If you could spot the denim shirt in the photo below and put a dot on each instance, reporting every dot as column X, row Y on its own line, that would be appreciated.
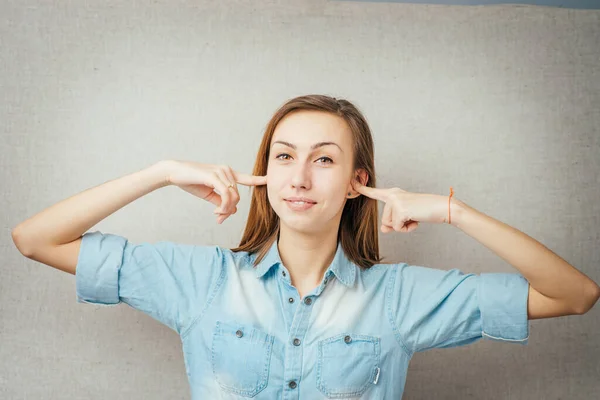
column 246, row 333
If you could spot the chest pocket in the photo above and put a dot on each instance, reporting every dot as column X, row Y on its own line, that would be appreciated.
column 241, row 355
column 347, row 365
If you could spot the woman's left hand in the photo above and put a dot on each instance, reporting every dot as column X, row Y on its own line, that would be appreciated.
column 404, row 210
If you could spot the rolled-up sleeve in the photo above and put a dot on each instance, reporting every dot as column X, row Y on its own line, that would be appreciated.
column 169, row 281
column 97, row 273
column 503, row 305
column 434, row 308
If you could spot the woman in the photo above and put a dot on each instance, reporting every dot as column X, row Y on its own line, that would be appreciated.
column 304, row 308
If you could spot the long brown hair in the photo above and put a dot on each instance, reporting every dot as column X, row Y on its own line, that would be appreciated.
column 358, row 231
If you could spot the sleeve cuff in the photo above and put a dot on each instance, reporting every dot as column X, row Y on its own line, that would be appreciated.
column 97, row 271
column 503, row 303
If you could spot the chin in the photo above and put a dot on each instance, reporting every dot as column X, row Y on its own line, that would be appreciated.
column 303, row 223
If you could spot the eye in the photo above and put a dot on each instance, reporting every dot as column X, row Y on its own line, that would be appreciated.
column 282, row 154
column 326, row 158
column 329, row 160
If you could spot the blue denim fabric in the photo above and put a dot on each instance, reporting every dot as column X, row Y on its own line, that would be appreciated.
column 246, row 333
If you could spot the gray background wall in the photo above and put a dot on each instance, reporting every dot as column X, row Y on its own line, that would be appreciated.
column 500, row 102
column 580, row 4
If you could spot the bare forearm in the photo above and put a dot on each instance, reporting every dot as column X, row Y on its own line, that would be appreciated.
column 546, row 272
column 67, row 220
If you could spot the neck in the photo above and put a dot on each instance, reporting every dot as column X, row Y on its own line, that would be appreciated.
column 306, row 256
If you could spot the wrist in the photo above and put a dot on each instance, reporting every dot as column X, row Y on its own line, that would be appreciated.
column 449, row 215
column 161, row 172
column 457, row 209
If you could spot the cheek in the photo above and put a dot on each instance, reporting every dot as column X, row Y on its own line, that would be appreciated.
column 336, row 185
column 274, row 182
column 274, row 188
column 276, row 178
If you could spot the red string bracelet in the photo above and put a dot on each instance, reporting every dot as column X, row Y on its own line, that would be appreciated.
column 450, row 197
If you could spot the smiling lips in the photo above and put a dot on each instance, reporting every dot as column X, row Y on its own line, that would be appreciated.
column 299, row 203
column 300, row 199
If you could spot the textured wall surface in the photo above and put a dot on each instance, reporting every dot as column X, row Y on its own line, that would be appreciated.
column 575, row 4
column 500, row 102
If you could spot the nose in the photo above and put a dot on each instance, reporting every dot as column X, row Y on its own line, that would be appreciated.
column 301, row 176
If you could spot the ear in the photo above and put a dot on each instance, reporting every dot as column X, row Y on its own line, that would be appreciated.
column 363, row 176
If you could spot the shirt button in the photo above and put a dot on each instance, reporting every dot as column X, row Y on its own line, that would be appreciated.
column 239, row 333
column 347, row 339
column 296, row 342
column 291, row 299
column 308, row 301
column 283, row 273
column 292, row 385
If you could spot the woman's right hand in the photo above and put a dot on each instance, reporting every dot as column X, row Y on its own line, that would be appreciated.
column 211, row 182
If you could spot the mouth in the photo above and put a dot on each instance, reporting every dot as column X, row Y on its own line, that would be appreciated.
column 299, row 204
column 300, row 200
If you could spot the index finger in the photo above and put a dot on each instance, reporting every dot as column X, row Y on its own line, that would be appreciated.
column 249, row 180
column 374, row 193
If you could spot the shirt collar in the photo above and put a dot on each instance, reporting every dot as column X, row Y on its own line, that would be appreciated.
column 343, row 269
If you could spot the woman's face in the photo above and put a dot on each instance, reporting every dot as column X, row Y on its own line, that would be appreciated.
column 304, row 166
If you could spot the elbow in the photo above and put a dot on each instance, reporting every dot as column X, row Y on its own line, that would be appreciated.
column 18, row 241
column 592, row 296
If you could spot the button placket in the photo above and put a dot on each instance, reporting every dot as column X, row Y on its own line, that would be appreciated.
column 295, row 344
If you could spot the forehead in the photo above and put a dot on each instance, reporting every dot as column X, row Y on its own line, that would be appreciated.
column 307, row 127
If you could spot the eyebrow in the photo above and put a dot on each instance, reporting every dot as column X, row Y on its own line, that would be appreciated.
column 313, row 147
